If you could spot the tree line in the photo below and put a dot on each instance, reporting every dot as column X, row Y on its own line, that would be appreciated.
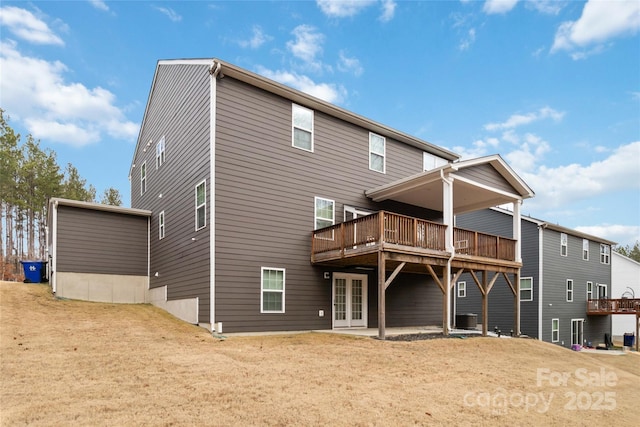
column 29, row 177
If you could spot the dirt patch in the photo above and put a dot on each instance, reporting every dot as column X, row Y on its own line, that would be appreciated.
column 79, row 363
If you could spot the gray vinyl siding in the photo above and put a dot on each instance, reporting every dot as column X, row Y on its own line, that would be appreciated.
column 501, row 298
column 265, row 191
column 93, row 241
column 178, row 109
column 557, row 269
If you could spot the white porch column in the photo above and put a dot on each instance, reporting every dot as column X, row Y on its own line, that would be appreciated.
column 447, row 219
column 517, row 229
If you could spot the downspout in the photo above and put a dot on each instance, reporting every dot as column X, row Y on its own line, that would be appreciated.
column 214, row 71
column 54, row 247
column 540, row 279
column 448, row 245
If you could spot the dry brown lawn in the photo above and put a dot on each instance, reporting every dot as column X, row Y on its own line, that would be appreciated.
column 79, row 363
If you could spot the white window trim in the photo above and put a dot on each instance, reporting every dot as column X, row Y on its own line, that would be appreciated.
column 527, row 299
column 203, row 204
column 557, row 330
column 262, row 290
column 606, row 290
column 160, row 153
column 383, row 154
column 293, row 127
column 585, row 249
column 605, row 255
column 589, row 291
column 315, row 211
column 161, row 225
column 564, row 244
column 462, row 289
column 569, row 290
column 143, row 178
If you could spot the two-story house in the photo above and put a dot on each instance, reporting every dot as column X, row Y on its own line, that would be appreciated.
column 562, row 270
column 272, row 210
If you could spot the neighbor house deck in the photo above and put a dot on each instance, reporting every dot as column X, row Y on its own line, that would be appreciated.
column 605, row 306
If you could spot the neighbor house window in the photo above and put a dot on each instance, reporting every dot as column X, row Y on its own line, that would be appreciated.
column 160, row 153
column 272, row 296
column 201, row 205
column 429, row 161
column 555, row 330
column 526, row 289
column 563, row 244
column 605, row 254
column 569, row 290
column 585, row 249
column 377, row 152
column 462, row 289
column 143, row 178
column 161, row 225
column 324, row 213
column 302, row 119
column 589, row 290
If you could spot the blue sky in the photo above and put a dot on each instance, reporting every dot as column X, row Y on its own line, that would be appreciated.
column 552, row 86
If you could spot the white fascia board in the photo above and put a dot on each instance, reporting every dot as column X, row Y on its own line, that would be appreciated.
column 99, row 207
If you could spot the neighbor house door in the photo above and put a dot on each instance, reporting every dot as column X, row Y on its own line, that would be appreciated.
column 349, row 300
column 576, row 331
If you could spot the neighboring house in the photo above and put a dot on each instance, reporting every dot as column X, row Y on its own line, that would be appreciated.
column 625, row 283
column 273, row 210
column 562, row 269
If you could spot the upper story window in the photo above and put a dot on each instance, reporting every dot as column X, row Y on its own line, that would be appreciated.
column 526, row 289
column 160, row 153
column 302, row 122
column 429, row 161
column 462, row 289
column 325, row 214
column 161, row 225
column 563, row 244
column 377, row 153
column 589, row 290
column 585, row 249
column 569, row 290
column 143, row 178
column 201, row 205
column 605, row 254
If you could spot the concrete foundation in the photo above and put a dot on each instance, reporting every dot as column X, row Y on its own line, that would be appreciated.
column 184, row 309
column 111, row 288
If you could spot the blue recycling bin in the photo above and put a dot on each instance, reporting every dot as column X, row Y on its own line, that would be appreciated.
column 34, row 271
column 629, row 339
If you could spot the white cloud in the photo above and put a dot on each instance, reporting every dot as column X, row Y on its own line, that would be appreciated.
column 600, row 21
column 349, row 65
column 325, row 91
column 27, row 26
column 498, row 6
column 343, row 8
column 171, row 14
column 257, row 39
column 35, row 92
column 548, row 7
column 307, row 45
column 622, row 234
column 517, row 120
column 467, row 41
column 99, row 4
column 388, row 10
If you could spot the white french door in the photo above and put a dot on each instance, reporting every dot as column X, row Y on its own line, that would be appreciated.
column 349, row 300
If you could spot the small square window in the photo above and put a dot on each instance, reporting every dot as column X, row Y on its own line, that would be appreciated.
column 462, row 289
column 272, row 295
column 526, row 289
column 302, row 119
column 377, row 153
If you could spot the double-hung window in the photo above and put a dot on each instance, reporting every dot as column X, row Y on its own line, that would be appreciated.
column 462, row 289
column 272, row 295
column 526, row 289
column 161, row 225
column 585, row 249
column 563, row 244
column 555, row 330
column 324, row 213
column 143, row 178
column 377, row 152
column 569, row 290
column 589, row 290
column 605, row 254
column 160, row 153
column 302, row 119
column 201, row 205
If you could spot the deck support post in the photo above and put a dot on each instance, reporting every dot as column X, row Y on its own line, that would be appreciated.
column 381, row 295
column 485, row 305
column 516, row 299
column 637, row 328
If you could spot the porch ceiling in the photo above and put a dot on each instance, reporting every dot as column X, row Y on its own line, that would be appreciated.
column 426, row 189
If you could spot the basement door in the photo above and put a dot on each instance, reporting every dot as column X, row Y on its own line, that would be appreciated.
column 349, row 300
column 577, row 327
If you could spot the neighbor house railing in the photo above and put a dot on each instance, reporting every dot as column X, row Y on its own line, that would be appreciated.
column 395, row 229
column 613, row 306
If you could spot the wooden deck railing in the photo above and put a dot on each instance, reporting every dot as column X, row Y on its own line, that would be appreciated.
column 613, row 306
column 387, row 227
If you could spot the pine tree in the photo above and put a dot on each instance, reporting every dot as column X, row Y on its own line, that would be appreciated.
column 74, row 186
column 111, row 196
column 629, row 251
